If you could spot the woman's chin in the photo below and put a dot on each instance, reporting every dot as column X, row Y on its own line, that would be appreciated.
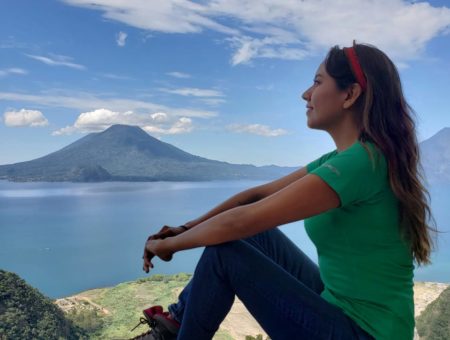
column 310, row 123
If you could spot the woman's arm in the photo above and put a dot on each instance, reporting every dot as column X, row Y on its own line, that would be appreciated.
column 301, row 199
column 249, row 196
column 244, row 198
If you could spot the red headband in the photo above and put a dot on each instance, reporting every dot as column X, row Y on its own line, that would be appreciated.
column 356, row 67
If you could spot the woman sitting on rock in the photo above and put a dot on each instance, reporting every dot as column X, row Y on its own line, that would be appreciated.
column 364, row 207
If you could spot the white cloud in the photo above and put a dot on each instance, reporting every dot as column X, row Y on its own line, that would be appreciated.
column 392, row 24
column 11, row 42
column 207, row 96
column 247, row 49
column 179, row 75
column 169, row 16
column 195, row 92
column 100, row 119
column 289, row 29
column 182, row 125
column 13, row 70
column 159, row 117
column 120, row 39
column 89, row 102
column 279, row 45
column 57, row 60
column 213, row 101
column 269, row 87
column 257, row 129
column 24, row 118
column 115, row 76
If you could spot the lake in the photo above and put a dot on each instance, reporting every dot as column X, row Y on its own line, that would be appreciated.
column 63, row 238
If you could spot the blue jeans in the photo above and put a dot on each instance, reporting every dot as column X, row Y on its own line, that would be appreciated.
column 276, row 281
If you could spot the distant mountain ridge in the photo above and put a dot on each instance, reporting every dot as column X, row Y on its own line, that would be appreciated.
column 435, row 153
column 128, row 153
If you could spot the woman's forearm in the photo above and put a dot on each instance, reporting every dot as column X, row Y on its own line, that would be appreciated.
column 230, row 225
column 299, row 200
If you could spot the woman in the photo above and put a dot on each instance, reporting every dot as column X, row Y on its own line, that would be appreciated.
column 364, row 208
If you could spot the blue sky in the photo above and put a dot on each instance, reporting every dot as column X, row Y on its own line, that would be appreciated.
column 221, row 79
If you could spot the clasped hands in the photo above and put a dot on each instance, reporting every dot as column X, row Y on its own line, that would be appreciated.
column 154, row 246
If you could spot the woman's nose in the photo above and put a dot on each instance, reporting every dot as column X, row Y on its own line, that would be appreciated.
column 306, row 94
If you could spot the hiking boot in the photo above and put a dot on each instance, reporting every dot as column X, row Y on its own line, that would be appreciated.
column 162, row 326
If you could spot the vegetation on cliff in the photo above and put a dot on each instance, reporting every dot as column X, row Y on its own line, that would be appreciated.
column 434, row 322
column 27, row 314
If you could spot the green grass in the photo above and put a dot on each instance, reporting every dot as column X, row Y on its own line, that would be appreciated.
column 126, row 301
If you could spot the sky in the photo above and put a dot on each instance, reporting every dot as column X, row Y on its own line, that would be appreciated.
column 220, row 79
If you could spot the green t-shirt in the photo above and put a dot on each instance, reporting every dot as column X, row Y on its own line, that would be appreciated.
column 366, row 268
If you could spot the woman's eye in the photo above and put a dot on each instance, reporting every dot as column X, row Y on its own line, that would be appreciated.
column 316, row 82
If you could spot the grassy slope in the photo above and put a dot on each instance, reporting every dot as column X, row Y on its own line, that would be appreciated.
column 126, row 301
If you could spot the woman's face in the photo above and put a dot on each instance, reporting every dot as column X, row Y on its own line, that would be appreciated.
column 324, row 101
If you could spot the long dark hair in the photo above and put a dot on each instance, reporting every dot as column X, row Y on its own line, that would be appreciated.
column 384, row 118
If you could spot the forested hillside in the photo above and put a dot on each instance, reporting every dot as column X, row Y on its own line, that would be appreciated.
column 27, row 314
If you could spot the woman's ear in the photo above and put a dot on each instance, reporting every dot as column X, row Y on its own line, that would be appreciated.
column 353, row 93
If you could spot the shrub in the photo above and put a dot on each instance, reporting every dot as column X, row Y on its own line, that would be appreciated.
column 434, row 322
column 87, row 319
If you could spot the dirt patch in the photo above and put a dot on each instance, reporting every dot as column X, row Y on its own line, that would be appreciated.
column 239, row 322
column 425, row 293
column 79, row 302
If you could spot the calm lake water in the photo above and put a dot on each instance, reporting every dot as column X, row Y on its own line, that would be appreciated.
column 63, row 238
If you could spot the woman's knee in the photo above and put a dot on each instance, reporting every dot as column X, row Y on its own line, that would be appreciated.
column 227, row 249
column 228, row 254
column 267, row 241
column 263, row 235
